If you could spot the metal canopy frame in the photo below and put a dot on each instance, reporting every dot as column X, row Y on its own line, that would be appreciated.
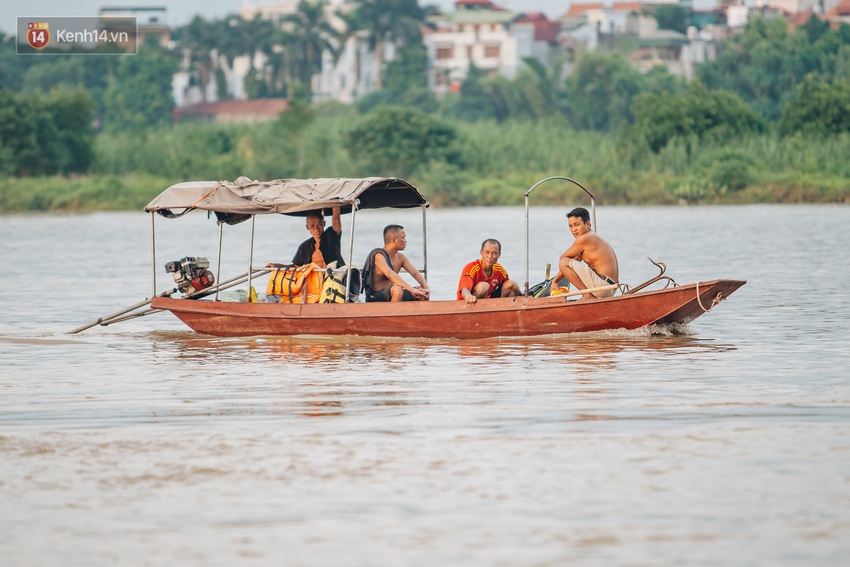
column 527, row 204
column 354, row 207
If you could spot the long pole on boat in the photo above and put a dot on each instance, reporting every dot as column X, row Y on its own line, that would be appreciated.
column 526, row 242
column 425, row 242
column 109, row 317
column 114, row 318
column 218, row 261
column 527, row 200
column 153, row 254
column 250, row 257
column 350, row 249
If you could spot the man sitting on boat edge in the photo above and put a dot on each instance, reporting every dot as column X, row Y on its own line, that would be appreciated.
column 486, row 278
column 381, row 281
column 590, row 262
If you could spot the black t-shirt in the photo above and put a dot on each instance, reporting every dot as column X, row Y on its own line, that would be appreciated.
column 329, row 244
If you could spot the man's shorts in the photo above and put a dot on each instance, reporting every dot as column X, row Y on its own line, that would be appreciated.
column 386, row 295
column 592, row 279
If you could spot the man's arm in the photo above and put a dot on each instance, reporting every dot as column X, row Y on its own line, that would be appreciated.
column 417, row 275
column 387, row 271
column 337, row 221
column 468, row 296
column 574, row 251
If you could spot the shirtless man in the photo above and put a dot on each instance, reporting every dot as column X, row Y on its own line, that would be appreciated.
column 486, row 278
column 380, row 272
column 590, row 262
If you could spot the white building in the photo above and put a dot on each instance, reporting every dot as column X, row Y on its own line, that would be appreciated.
column 351, row 75
column 483, row 34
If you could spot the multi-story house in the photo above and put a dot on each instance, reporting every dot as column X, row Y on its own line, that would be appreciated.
column 609, row 26
column 481, row 33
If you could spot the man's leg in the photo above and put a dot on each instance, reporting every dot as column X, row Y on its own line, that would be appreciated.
column 510, row 289
column 572, row 276
column 481, row 290
column 398, row 293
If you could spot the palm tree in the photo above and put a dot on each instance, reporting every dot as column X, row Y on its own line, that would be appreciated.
column 395, row 21
column 308, row 35
column 247, row 37
column 199, row 37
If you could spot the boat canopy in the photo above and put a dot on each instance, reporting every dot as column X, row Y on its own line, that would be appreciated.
column 236, row 201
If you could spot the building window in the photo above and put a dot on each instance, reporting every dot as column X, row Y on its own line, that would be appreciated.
column 491, row 51
column 445, row 52
column 469, row 52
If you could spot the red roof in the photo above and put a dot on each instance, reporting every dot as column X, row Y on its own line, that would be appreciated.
column 265, row 107
column 579, row 9
column 544, row 28
column 841, row 9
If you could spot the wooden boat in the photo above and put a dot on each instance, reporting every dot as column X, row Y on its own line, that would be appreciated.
column 513, row 316
column 525, row 315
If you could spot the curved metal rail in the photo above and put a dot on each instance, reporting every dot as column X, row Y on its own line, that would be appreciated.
column 527, row 200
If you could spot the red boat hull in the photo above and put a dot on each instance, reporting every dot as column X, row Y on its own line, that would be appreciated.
column 518, row 316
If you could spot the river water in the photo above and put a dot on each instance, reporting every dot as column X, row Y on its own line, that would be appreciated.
column 143, row 443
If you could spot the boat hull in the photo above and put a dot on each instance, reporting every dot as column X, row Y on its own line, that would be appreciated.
column 516, row 316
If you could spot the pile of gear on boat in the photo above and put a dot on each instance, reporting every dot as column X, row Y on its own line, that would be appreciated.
column 318, row 272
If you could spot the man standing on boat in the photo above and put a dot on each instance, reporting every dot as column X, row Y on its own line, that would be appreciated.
column 486, row 278
column 381, row 281
column 590, row 262
column 324, row 245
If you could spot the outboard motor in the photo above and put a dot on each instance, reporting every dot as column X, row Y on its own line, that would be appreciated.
column 191, row 273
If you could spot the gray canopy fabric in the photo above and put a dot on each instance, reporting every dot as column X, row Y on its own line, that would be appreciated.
column 235, row 201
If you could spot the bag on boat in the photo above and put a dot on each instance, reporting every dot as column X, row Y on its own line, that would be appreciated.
column 333, row 290
column 541, row 289
column 297, row 284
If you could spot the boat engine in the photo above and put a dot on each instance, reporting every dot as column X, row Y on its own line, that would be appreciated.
column 191, row 272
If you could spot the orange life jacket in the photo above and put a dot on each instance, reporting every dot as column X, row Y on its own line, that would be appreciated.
column 297, row 284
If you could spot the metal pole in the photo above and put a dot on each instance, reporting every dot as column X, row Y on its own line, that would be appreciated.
column 153, row 254
column 350, row 250
column 109, row 317
column 425, row 242
column 218, row 262
column 114, row 318
column 250, row 258
column 526, row 245
column 528, row 194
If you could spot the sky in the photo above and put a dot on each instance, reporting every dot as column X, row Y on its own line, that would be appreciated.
column 180, row 12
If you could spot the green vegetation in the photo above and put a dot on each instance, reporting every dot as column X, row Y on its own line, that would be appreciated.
column 765, row 122
column 45, row 133
column 489, row 162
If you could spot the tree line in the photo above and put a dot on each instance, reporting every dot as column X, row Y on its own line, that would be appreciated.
column 768, row 80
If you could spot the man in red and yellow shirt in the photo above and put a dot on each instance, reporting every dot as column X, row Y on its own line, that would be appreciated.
column 486, row 278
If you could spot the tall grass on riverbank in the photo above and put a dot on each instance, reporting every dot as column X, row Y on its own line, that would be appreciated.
column 80, row 193
column 498, row 163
